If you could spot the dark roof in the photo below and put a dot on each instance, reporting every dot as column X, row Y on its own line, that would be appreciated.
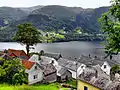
column 53, row 55
column 115, row 85
column 45, row 60
column 69, row 64
column 48, row 69
column 90, row 61
column 62, row 71
column 95, row 76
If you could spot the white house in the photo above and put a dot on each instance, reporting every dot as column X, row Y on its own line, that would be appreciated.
column 105, row 63
column 72, row 66
column 35, row 73
column 106, row 67
column 47, row 60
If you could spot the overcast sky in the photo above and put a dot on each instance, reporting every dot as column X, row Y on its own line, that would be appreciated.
column 78, row 3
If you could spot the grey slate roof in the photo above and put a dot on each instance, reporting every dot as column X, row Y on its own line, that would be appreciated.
column 62, row 71
column 69, row 64
column 115, row 85
column 96, row 77
column 45, row 60
column 53, row 55
column 90, row 61
column 48, row 69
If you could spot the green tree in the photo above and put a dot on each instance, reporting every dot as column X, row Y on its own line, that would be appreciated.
column 28, row 35
column 110, row 24
column 13, row 72
column 115, row 69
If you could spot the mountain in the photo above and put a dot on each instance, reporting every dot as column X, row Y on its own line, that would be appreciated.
column 47, row 18
column 30, row 9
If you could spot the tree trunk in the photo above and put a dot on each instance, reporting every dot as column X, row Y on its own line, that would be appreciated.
column 28, row 49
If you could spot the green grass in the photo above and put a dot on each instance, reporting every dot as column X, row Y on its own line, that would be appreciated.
column 30, row 87
column 72, row 82
column 64, row 89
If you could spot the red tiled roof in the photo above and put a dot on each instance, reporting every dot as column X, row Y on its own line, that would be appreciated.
column 17, row 53
column 28, row 64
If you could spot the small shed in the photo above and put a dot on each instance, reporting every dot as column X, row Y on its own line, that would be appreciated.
column 64, row 75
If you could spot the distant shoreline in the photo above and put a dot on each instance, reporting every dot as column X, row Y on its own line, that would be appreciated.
column 61, row 41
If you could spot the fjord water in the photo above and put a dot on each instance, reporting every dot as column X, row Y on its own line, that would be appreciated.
column 67, row 49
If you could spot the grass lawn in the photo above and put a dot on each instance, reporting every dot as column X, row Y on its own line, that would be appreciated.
column 72, row 82
column 53, row 86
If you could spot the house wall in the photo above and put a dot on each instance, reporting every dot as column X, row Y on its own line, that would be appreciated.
column 34, row 58
column 51, row 77
column 107, row 69
column 68, row 74
column 79, row 71
column 81, row 85
column 33, row 72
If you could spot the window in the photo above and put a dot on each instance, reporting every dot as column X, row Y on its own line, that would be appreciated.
column 85, row 88
column 35, row 67
column 35, row 76
column 105, row 66
column 82, row 66
column 52, row 61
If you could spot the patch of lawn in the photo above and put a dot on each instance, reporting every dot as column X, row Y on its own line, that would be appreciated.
column 31, row 87
column 72, row 82
column 64, row 89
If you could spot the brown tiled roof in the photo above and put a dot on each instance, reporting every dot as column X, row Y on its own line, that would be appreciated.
column 18, row 53
column 28, row 64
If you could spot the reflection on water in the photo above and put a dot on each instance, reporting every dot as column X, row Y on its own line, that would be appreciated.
column 67, row 49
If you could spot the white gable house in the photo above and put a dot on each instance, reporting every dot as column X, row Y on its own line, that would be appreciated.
column 106, row 67
column 35, row 73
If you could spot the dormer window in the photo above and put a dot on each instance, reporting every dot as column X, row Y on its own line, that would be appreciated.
column 52, row 61
column 105, row 66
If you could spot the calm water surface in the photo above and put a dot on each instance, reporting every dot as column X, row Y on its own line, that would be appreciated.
column 67, row 49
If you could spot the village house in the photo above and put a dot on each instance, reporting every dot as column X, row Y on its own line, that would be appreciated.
column 105, row 64
column 34, row 71
column 18, row 53
column 75, row 68
column 49, row 72
column 64, row 63
column 63, row 75
column 94, row 78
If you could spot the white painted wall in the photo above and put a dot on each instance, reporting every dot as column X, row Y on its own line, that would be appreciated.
column 33, row 72
column 107, row 69
column 79, row 71
column 34, row 58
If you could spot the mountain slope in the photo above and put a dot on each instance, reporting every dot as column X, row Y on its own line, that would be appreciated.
column 47, row 18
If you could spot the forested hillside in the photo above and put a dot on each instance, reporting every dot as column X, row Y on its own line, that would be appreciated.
column 50, row 18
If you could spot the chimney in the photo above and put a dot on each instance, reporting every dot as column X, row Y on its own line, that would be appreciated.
column 96, row 74
column 110, row 57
